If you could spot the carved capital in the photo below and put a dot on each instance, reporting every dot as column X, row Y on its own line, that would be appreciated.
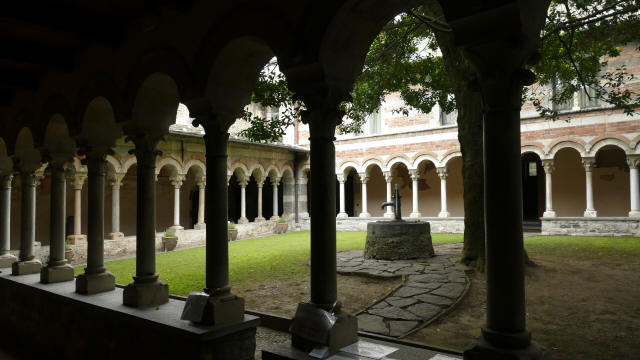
column 633, row 161
column 29, row 179
column 115, row 180
column 78, row 180
column 275, row 181
column 387, row 176
column 243, row 182
column 549, row 166
column 415, row 175
column 589, row 164
column 177, row 180
column 5, row 181
column 443, row 173
column 341, row 178
column 364, row 177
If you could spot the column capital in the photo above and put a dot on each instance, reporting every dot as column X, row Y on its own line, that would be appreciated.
column 5, row 181
column 341, row 178
column 177, row 180
column 443, row 172
column 549, row 165
column 29, row 179
column 276, row 181
column 115, row 180
column 301, row 181
column 364, row 177
column 202, row 182
column 78, row 180
column 243, row 182
column 387, row 176
column 588, row 163
column 633, row 161
column 415, row 175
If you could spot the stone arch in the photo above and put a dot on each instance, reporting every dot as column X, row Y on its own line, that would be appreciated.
column 128, row 163
column 100, row 86
column 57, row 105
column 425, row 157
column 172, row 163
column 303, row 171
column 450, row 156
column 99, row 126
column 114, row 163
column 239, row 168
column 287, row 174
column 155, row 104
column 199, row 165
column 346, row 165
column 562, row 144
column 398, row 160
column 272, row 168
column 366, row 166
column 533, row 149
column 257, row 171
column 609, row 141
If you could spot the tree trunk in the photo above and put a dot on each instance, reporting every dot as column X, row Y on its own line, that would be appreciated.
column 469, row 105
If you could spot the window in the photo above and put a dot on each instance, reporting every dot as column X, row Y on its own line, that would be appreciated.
column 533, row 168
column 449, row 118
column 374, row 123
column 588, row 98
column 273, row 113
column 567, row 105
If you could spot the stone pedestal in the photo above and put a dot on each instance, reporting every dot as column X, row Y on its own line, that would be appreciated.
column 202, row 226
column 6, row 260
column 146, row 294
column 76, row 239
column 398, row 240
column 482, row 350
column 314, row 327
column 26, row 267
column 95, row 283
column 215, row 310
column 54, row 274
column 176, row 227
column 115, row 236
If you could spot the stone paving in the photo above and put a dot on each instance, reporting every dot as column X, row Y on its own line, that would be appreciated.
column 431, row 287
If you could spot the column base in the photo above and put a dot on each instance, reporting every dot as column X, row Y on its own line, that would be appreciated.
column 364, row 215
column 56, row 274
column 26, row 267
column 146, row 294
column 274, row 217
column 243, row 220
column 76, row 239
column 444, row 214
column 6, row 260
column 483, row 350
column 176, row 227
column 88, row 284
column 342, row 215
column 549, row 214
column 115, row 236
column 590, row 213
column 258, row 219
column 389, row 215
column 304, row 215
column 202, row 226
column 415, row 215
column 310, row 328
column 215, row 310
column 634, row 214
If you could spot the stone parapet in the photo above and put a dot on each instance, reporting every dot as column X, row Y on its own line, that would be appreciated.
column 438, row 225
column 599, row 226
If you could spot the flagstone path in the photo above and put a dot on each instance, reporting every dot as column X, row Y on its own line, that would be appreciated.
column 431, row 287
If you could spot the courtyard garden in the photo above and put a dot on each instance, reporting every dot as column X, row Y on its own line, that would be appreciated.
column 582, row 294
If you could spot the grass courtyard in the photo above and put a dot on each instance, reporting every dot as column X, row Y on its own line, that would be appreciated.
column 582, row 296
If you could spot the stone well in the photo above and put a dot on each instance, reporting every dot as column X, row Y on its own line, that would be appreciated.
column 398, row 240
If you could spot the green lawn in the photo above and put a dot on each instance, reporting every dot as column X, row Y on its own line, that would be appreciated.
column 585, row 247
column 256, row 260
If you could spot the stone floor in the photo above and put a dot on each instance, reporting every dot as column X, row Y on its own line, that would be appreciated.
column 431, row 287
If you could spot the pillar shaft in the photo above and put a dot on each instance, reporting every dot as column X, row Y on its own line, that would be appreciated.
column 634, row 184
column 549, row 167
column 146, row 215
column 217, row 250
column 243, row 202
column 388, row 179
column 414, row 194
column 260, row 185
column 115, row 209
column 342, row 213
column 503, row 213
column 365, row 211
column 201, row 195
column 28, row 211
column 96, row 166
column 77, row 211
column 589, row 164
column 58, row 215
column 274, row 185
column 5, row 214
column 176, row 181
column 443, row 173
column 324, row 291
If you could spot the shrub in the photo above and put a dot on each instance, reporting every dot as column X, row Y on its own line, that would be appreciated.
column 231, row 225
column 170, row 232
column 282, row 221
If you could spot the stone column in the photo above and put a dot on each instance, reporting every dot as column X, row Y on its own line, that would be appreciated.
column 95, row 278
column 288, row 198
column 6, row 259
column 364, row 178
column 27, row 262
column 324, row 291
column 78, row 182
column 260, row 182
column 243, row 201
column 303, row 209
column 146, row 289
column 201, row 225
column 57, row 269
column 116, row 183
column 443, row 173
column 342, row 214
column 549, row 167
column 176, row 182
column 634, row 182
column 274, row 184
column 415, row 176
column 388, row 179
column 222, row 306
column 589, row 164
